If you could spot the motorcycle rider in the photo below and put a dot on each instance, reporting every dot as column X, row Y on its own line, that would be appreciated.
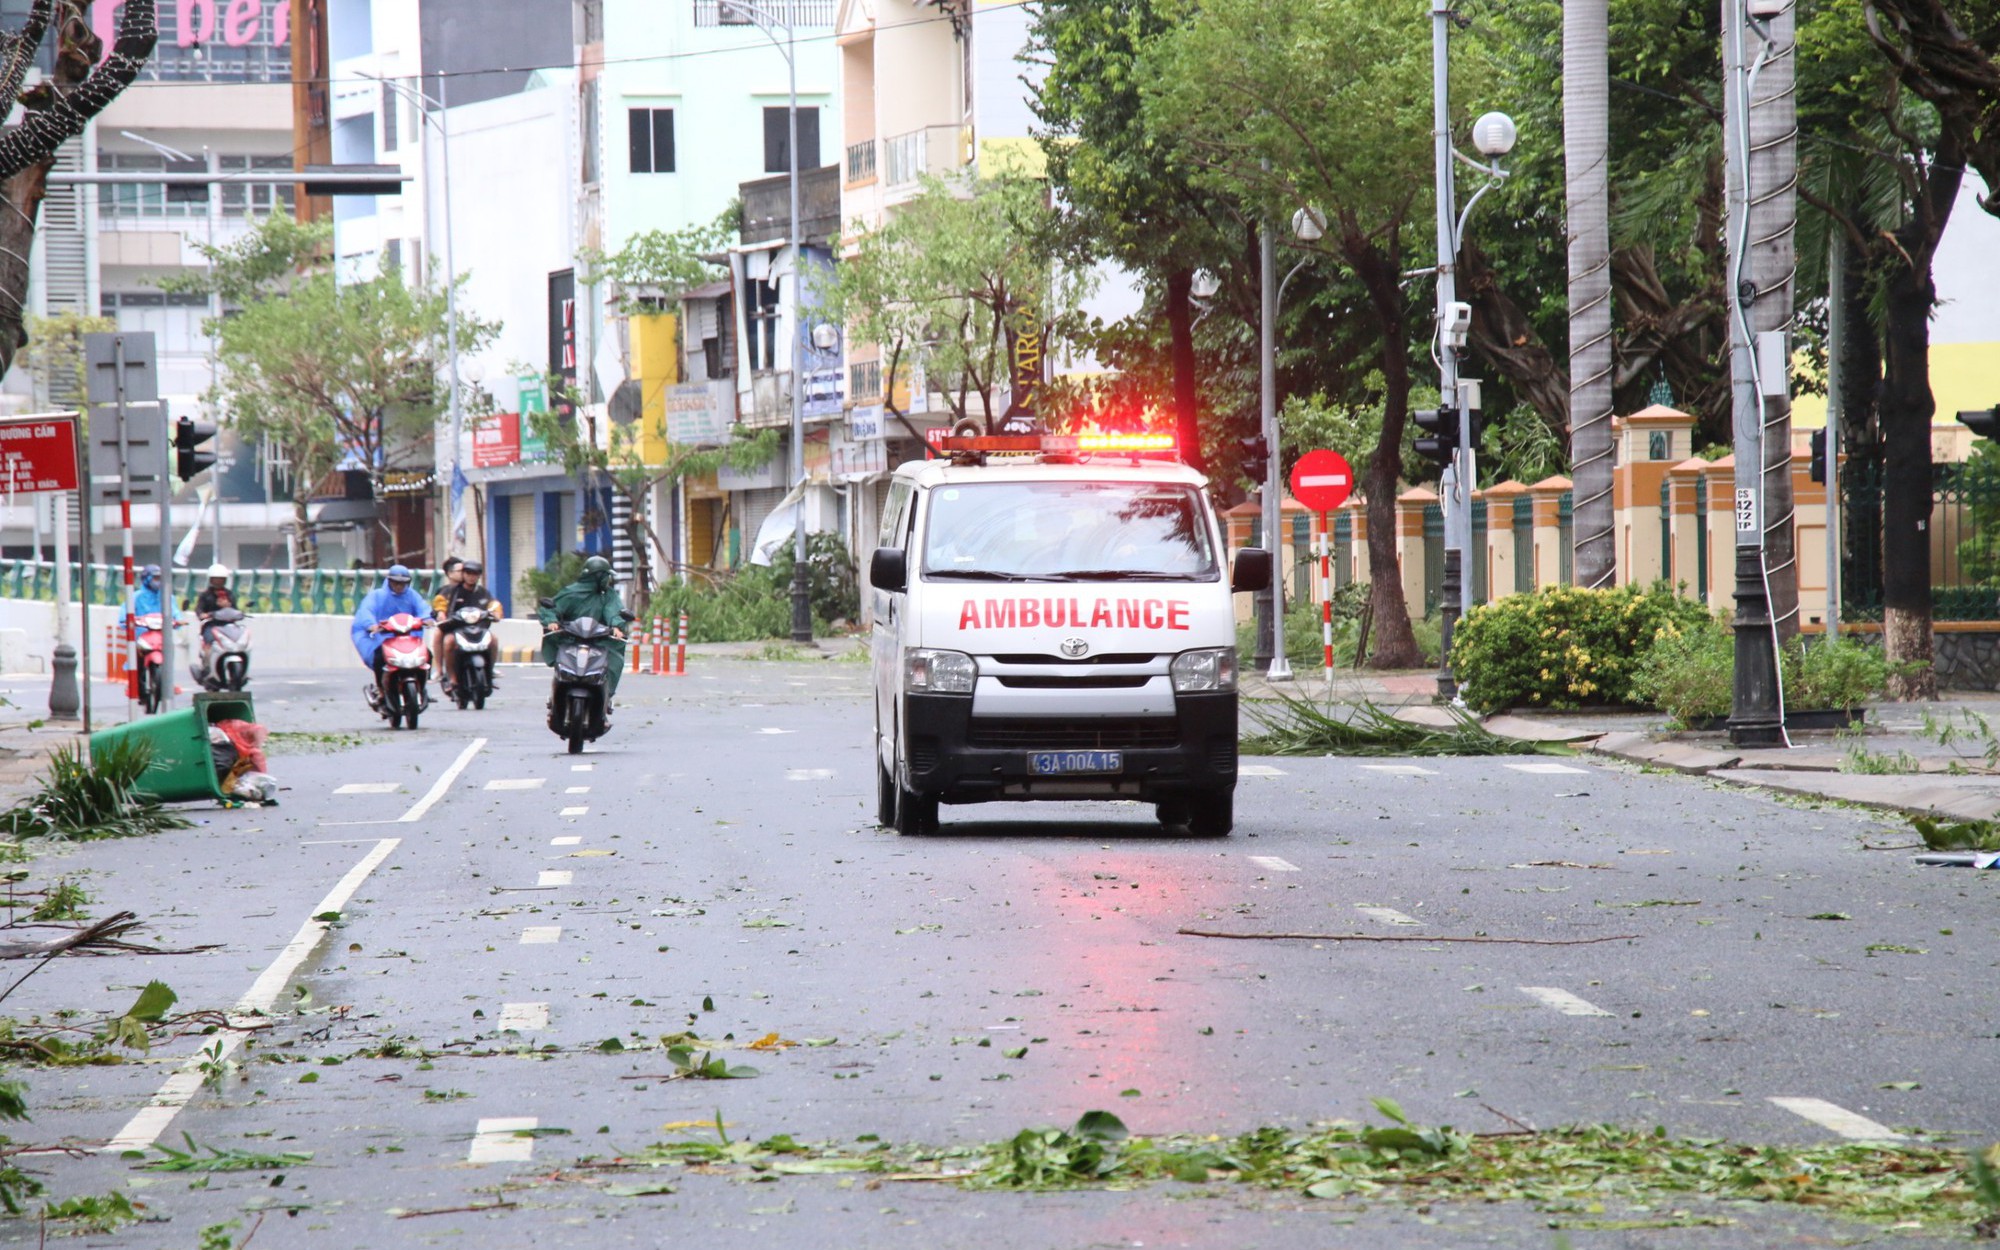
column 145, row 600
column 391, row 597
column 595, row 595
column 213, row 599
column 450, row 569
column 466, row 588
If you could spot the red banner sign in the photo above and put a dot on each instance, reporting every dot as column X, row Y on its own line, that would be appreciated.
column 38, row 455
column 496, row 441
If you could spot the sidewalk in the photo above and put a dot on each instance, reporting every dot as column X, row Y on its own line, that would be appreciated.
column 24, row 754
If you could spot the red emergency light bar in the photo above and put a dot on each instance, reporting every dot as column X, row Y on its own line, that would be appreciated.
column 1058, row 444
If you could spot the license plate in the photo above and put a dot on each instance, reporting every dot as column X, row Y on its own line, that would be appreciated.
column 1051, row 763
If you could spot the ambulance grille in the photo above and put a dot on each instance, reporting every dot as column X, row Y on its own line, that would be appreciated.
column 1080, row 681
column 1033, row 733
column 1088, row 659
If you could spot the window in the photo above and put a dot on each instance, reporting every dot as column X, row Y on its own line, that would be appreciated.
column 760, row 324
column 590, row 131
column 255, row 199
column 390, row 103
column 777, row 138
column 1055, row 531
column 864, row 381
column 652, row 140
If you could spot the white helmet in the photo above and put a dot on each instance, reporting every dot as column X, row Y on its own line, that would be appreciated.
column 218, row 570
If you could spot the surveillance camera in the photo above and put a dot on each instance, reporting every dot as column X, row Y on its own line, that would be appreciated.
column 1457, row 323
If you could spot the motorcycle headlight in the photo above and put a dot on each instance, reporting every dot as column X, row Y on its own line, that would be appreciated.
column 938, row 672
column 1211, row 669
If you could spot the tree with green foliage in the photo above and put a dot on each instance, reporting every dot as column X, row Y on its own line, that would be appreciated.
column 656, row 267
column 938, row 285
column 54, row 354
column 327, row 371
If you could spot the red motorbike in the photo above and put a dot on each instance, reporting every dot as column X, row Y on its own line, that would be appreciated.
column 150, row 631
column 403, row 693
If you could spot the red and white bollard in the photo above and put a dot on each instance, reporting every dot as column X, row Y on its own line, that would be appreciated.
column 1324, row 541
column 681, row 652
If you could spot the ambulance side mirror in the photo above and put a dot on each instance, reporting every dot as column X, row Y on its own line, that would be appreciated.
column 889, row 569
column 1252, row 570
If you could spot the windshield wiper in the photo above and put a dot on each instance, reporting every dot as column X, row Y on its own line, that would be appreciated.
column 1119, row 575
column 976, row 575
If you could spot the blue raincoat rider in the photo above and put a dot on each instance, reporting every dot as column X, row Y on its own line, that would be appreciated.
column 391, row 597
column 145, row 600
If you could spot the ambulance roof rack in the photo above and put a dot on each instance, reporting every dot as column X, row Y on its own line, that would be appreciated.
column 1059, row 448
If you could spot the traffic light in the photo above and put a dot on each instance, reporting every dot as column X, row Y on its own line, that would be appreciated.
column 1817, row 469
column 1256, row 457
column 1984, row 422
column 189, row 435
column 1440, row 434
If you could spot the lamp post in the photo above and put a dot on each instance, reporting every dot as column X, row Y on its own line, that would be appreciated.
column 442, row 123
column 1493, row 134
column 1308, row 225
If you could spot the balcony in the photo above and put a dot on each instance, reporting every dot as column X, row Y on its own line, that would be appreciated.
column 932, row 150
column 861, row 163
column 780, row 13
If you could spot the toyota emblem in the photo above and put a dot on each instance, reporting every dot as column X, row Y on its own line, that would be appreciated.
column 1074, row 648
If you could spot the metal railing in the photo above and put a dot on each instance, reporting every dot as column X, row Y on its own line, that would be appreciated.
column 1964, row 530
column 796, row 13
column 931, row 150
column 861, row 162
column 323, row 591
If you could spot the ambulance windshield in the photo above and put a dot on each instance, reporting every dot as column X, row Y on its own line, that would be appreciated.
column 1069, row 531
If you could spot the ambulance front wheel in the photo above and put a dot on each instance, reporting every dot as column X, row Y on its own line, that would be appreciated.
column 1211, row 815
column 916, row 814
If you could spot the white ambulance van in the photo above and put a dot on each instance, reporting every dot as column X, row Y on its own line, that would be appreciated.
column 1053, row 620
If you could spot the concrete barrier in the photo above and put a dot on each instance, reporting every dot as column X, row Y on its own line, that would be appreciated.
column 28, row 639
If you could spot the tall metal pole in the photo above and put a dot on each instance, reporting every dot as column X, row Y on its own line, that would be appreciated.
column 450, row 285
column 1836, row 341
column 801, row 588
column 1274, row 483
column 130, row 643
column 1456, row 484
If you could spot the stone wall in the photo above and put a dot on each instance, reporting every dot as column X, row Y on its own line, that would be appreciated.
column 1967, row 659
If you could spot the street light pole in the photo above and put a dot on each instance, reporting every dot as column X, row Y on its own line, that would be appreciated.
column 801, row 587
column 1274, row 488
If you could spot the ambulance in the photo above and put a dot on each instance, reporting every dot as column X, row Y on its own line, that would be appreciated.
column 1053, row 620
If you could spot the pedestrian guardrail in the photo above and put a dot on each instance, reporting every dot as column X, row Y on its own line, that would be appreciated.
column 323, row 591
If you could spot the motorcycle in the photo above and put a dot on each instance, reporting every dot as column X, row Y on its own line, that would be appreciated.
column 150, row 630
column 580, row 696
column 225, row 662
column 471, row 631
column 402, row 694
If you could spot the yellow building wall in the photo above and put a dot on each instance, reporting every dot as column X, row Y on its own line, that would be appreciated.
column 656, row 364
column 1964, row 376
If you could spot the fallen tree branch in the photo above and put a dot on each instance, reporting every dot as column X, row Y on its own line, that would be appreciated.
column 1383, row 937
column 501, row 1205
column 106, row 930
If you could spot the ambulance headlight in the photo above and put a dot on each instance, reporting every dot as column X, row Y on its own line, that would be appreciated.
column 938, row 672
column 1197, row 671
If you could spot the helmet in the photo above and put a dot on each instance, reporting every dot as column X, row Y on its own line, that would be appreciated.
column 149, row 577
column 399, row 573
column 218, row 572
column 597, row 564
column 471, row 568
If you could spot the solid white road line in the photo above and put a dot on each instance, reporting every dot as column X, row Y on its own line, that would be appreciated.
column 523, row 1017
column 1258, row 770
column 369, row 787
column 143, row 1129
column 1839, row 1119
column 540, row 934
column 574, row 811
column 808, row 774
column 500, row 1140
column 516, row 783
column 555, row 876
column 565, row 841
column 1547, row 770
column 1387, row 915
column 1562, row 1000
column 1401, row 770
column 1273, row 863
column 431, row 796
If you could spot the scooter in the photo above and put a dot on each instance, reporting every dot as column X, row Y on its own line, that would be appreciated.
column 225, row 663
column 579, row 700
column 471, row 632
column 406, row 671
column 151, row 633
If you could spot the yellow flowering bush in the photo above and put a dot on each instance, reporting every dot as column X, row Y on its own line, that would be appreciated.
column 1564, row 646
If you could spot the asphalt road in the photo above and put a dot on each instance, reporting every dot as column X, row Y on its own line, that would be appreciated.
column 713, row 866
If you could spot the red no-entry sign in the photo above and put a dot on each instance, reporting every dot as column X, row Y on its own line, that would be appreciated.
column 38, row 454
column 1322, row 481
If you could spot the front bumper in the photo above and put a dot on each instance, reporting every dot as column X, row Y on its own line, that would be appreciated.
column 959, row 758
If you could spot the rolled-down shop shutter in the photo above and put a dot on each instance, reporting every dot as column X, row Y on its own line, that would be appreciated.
column 757, row 504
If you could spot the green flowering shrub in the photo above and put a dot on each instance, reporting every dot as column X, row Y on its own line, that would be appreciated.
column 1690, row 673
column 1564, row 647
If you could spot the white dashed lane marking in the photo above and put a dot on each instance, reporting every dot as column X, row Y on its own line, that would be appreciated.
column 808, row 774
column 565, row 841
column 1838, row 1118
column 1272, row 863
column 516, row 783
column 540, row 934
column 1387, row 915
column 1259, row 770
column 502, row 1140
column 1401, row 770
column 369, row 787
column 777, row 731
column 581, row 768
column 524, row 1017
column 577, row 790
column 1547, row 770
column 573, row 811
column 1563, row 1001
column 555, row 876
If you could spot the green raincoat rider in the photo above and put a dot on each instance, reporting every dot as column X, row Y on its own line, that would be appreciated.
column 595, row 594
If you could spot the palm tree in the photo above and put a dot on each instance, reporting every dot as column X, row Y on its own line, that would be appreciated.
column 1586, row 106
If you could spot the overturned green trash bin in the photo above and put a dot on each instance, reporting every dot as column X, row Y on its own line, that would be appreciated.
column 182, row 768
